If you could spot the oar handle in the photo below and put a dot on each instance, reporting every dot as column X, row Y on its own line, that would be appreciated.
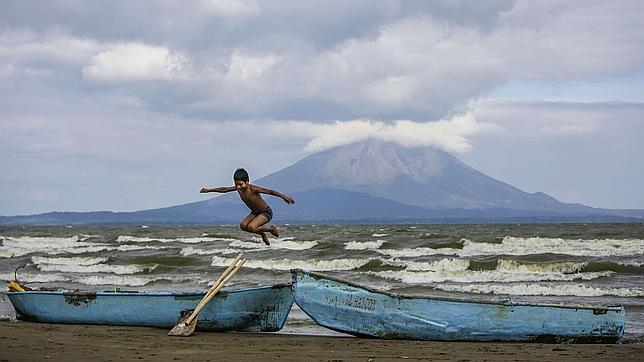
column 212, row 294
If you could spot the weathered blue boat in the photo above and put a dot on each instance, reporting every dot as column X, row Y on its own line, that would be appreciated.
column 350, row 308
column 262, row 309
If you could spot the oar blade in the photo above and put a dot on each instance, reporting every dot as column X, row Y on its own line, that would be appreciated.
column 182, row 329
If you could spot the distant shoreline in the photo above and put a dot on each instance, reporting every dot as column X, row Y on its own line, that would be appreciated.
column 30, row 221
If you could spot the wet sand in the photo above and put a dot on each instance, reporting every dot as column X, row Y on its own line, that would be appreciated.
column 23, row 341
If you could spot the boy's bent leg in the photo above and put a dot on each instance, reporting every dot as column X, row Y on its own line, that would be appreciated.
column 244, row 223
column 256, row 226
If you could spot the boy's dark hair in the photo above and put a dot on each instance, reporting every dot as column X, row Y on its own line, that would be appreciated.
column 240, row 175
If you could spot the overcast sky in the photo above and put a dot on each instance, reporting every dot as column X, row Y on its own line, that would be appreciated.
column 129, row 105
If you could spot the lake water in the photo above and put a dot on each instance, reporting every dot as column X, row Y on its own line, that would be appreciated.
column 552, row 263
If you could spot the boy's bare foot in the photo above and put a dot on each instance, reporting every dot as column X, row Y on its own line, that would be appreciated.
column 274, row 231
column 265, row 239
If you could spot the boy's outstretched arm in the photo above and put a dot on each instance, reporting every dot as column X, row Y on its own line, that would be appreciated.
column 289, row 200
column 222, row 189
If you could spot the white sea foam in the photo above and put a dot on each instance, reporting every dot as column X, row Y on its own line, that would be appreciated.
column 280, row 243
column 129, row 247
column 287, row 264
column 542, row 289
column 418, row 252
column 24, row 245
column 98, row 268
column 117, row 280
column 635, row 263
column 510, row 266
column 528, row 246
column 379, row 235
column 444, row 265
column 194, row 240
column 367, row 245
column 189, row 250
column 136, row 239
column 456, row 270
column 87, row 265
column 204, row 240
column 68, row 261
column 25, row 277
column 531, row 246
column 484, row 276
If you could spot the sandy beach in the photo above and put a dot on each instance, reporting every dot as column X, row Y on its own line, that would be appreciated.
column 24, row 341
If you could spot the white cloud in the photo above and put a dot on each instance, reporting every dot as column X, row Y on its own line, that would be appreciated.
column 136, row 61
column 449, row 134
column 248, row 69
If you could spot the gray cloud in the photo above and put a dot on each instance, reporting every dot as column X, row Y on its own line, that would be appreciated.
column 384, row 60
column 95, row 91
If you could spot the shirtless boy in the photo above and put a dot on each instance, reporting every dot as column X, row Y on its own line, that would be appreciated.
column 260, row 212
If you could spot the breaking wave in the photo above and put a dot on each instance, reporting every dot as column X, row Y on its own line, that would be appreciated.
column 280, row 243
column 530, row 246
column 288, row 264
column 98, row 268
column 456, row 270
column 448, row 264
column 68, row 261
column 25, row 245
column 194, row 240
column 117, row 280
column 189, row 250
column 541, row 289
column 366, row 245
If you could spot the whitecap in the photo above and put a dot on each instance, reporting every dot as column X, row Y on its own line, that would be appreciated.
column 530, row 246
column 136, row 239
column 537, row 245
column 26, row 277
column 98, row 268
column 445, row 265
column 366, row 245
column 482, row 276
column 510, row 266
column 418, row 252
column 280, row 243
column 189, row 250
column 117, row 280
column 542, row 289
column 128, row 247
column 68, row 261
column 193, row 240
column 288, row 264
column 24, row 245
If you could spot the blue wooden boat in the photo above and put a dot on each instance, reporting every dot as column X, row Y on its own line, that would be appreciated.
column 262, row 309
column 350, row 308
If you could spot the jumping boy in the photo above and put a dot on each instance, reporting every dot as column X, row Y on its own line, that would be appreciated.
column 260, row 212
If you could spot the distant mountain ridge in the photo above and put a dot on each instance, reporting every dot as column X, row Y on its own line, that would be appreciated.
column 369, row 181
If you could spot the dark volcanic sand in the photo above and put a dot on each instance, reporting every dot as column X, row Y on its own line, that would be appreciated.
column 23, row 341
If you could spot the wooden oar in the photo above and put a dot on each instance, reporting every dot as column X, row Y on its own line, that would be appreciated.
column 223, row 275
column 187, row 325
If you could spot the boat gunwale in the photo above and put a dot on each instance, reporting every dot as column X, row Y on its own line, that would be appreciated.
column 150, row 293
column 318, row 275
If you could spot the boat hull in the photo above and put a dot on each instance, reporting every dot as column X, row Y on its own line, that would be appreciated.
column 262, row 309
column 361, row 311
